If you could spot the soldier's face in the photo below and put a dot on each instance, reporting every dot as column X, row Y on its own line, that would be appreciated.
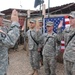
column 40, row 24
column 1, row 20
column 32, row 25
column 72, row 21
column 49, row 28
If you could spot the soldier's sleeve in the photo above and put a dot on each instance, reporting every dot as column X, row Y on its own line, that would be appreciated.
column 24, row 34
column 59, row 38
column 12, row 35
column 38, row 34
column 58, row 44
column 41, row 41
column 60, row 34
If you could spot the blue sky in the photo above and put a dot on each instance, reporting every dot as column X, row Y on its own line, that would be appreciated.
column 29, row 4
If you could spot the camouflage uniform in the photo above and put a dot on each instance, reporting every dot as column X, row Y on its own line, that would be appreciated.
column 49, row 52
column 6, row 41
column 41, row 33
column 69, row 53
column 33, row 48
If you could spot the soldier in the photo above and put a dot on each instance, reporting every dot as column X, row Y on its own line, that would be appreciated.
column 41, row 25
column 21, row 39
column 69, row 38
column 50, row 41
column 21, row 21
column 41, row 31
column 33, row 35
column 7, row 40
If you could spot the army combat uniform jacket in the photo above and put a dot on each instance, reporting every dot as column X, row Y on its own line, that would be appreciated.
column 50, row 43
column 7, row 40
column 69, row 53
column 32, row 45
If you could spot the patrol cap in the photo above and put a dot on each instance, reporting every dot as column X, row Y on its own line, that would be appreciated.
column 49, row 23
column 72, row 14
column 32, row 21
column 1, row 14
column 40, row 20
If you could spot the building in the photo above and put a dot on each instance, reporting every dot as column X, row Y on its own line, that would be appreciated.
column 54, row 11
column 22, row 15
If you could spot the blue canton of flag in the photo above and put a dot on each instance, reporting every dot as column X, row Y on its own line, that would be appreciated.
column 56, row 21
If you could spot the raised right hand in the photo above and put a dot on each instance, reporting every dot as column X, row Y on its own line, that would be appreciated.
column 37, row 28
column 60, row 24
column 14, row 16
column 2, row 32
column 39, row 49
column 23, row 27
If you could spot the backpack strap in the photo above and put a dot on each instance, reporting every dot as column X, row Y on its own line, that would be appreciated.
column 33, row 38
column 71, row 38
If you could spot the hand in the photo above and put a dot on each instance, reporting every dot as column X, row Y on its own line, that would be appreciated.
column 37, row 28
column 23, row 27
column 39, row 49
column 2, row 32
column 14, row 16
column 60, row 24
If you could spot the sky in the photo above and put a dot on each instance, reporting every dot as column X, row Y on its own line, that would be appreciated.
column 29, row 4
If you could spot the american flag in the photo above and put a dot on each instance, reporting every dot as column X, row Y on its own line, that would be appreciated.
column 56, row 21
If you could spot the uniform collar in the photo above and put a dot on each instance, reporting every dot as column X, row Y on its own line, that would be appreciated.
column 51, row 34
column 32, row 29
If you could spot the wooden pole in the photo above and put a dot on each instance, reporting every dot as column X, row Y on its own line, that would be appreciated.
column 48, row 8
column 43, row 10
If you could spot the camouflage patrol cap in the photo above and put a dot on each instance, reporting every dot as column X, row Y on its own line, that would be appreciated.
column 32, row 21
column 1, row 14
column 40, row 20
column 72, row 14
column 49, row 23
